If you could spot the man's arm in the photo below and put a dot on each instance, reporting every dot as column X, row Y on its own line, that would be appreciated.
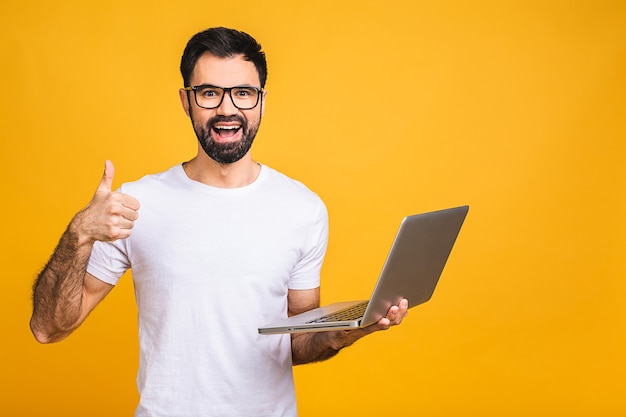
column 64, row 293
column 319, row 346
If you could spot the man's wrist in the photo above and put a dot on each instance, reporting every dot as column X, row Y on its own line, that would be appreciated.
column 344, row 338
column 77, row 233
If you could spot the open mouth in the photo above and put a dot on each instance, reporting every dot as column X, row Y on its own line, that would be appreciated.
column 225, row 131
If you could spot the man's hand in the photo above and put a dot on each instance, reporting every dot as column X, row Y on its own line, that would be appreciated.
column 313, row 347
column 394, row 316
column 109, row 216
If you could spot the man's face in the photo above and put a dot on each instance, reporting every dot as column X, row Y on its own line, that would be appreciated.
column 225, row 133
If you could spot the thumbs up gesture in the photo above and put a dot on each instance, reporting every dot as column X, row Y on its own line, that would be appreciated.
column 110, row 215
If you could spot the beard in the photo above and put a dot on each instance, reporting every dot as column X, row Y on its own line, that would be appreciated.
column 229, row 152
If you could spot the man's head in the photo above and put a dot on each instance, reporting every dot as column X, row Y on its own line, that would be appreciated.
column 224, row 72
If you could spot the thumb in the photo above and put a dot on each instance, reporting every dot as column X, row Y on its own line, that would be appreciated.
column 107, row 177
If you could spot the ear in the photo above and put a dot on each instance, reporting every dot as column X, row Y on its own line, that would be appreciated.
column 184, row 100
column 263, row 102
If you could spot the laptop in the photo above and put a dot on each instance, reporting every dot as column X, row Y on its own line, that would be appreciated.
column 412, row 269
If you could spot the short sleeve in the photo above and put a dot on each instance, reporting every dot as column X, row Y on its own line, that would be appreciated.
column 306, row 274
column 109, row 261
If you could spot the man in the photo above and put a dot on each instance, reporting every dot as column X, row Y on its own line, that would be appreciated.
column 220, row 245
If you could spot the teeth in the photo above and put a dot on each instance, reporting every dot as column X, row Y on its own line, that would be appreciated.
column 226, row 127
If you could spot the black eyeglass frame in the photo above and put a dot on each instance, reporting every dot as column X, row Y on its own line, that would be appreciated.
column 226, row 90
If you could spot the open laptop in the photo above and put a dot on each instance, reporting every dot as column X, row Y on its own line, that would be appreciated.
column 412, row 269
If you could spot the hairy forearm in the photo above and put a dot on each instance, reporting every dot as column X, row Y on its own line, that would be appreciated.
column 58, row 290
column 316, row 347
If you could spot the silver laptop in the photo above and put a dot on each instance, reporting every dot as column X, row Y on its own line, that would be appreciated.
column 412, row 269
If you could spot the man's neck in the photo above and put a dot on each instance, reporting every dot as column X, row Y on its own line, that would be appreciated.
column 238, row 174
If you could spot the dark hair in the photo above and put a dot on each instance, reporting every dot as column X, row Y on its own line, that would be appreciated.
column 223, row 43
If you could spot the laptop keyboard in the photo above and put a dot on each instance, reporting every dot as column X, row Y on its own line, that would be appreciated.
column 351, row 313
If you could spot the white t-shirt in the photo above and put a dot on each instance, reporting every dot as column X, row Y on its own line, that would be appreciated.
column 210, row 265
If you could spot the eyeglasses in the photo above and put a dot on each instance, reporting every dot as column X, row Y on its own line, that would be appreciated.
column 211, row 96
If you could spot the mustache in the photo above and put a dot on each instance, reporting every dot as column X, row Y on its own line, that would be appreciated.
column 227, row 119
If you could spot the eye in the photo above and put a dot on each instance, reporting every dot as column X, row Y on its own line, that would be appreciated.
column 208, row 92
column 245, row 92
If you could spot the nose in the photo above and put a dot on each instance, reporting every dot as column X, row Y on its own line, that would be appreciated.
column 227, row 107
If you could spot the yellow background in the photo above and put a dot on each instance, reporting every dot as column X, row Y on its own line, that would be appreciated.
column 384, row 109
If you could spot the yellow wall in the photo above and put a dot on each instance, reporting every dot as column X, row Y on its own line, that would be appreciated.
column 384, row 109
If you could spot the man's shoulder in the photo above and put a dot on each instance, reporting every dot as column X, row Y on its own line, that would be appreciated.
column 279, row 178
column 168, row 176
column 288, row 185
